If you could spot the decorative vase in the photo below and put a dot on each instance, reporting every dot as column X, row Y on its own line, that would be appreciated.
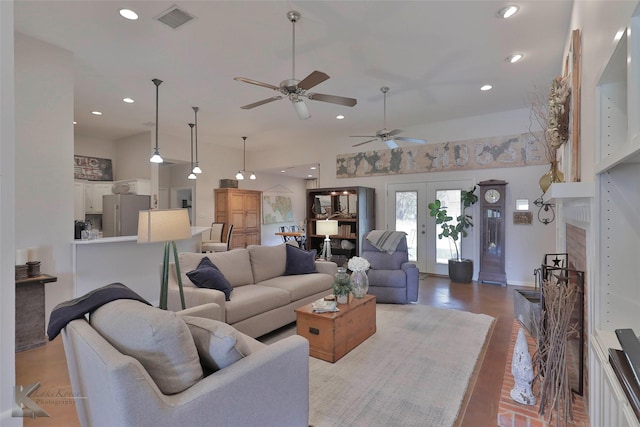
column 553, row 175
column 359, row 283
column 340, row 283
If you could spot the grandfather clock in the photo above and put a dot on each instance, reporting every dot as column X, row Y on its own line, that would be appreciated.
column 492, row 208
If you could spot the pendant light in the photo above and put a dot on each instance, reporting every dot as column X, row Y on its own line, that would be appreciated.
column 156, row 153
column 192, row 175
column 241, row 173
column 196, row 168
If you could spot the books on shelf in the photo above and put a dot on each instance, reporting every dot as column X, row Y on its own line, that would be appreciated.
column 322, row 306
column 345, row 230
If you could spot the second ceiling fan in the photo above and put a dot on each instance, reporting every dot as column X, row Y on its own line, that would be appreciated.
column 294, row 89
column 385, row 135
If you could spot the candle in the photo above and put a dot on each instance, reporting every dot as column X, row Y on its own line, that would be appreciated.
column 32, row 254
column 21, row 256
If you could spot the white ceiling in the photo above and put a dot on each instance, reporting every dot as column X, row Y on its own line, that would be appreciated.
column 434, row 56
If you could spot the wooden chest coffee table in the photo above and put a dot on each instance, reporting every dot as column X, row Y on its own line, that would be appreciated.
column 332, row 335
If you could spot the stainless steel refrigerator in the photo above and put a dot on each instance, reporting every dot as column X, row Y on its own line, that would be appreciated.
column 120, row 213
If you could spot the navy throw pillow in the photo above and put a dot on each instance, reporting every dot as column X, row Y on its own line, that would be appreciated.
column 300, row 261
column 207, row 275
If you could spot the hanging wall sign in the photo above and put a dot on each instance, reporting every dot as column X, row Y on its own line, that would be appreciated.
column 483, row 153
column 92, row 168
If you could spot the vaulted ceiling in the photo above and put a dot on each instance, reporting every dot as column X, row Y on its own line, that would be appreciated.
column 434, row 56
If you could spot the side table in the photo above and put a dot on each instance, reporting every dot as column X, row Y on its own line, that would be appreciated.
column 30, row 317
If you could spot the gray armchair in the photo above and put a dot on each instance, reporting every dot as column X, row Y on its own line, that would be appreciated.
column 268, row 387
column 392, row 278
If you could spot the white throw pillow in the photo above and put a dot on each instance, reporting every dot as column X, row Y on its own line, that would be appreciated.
column 160, row 340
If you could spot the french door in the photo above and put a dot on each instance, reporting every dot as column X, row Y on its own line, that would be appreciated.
column 407, row 211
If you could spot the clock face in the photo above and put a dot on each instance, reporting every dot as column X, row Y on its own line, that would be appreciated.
column 492, row 195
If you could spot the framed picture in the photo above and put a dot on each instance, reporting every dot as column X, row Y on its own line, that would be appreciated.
column 522, row 218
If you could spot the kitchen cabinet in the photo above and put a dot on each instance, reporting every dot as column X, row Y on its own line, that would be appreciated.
column 93, row 192
column 243, row 209
column 352, row 207
column 78, row 201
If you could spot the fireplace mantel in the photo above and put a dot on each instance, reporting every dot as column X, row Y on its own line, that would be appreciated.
column 561, row 192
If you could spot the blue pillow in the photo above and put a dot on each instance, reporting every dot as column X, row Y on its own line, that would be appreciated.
column 207, row 275
column 300, row 261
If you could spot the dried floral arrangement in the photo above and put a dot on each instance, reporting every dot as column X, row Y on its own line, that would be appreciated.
column 552, row 115
column 550, row 359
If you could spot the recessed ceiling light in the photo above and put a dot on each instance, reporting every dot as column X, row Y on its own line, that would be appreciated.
column 516, row 57
column 283, row 171
column 128, row 100
column 128, row 14
column 339, row 117
column 486, row 87
column 508, row 11
column 313, row 168
column 75, row 123
column 309, row 176
column 619, row 35
column 96, row 113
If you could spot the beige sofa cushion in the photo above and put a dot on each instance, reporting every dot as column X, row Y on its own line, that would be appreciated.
column 235, row 265
column 251, row 300
column 302, row 285
column 160, row 340
column 215, row 341
column 267, row 262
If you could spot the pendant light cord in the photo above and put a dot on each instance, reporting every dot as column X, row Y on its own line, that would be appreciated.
column 195, row 109
column 157, row 82
column 244, row 154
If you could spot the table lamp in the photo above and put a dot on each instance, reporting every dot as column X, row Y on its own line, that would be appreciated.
column 165, row 225
column 327, row 227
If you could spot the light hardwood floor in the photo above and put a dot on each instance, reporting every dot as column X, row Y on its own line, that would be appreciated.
column 47, row 364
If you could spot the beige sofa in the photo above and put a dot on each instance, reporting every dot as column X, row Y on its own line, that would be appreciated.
column 263, row 298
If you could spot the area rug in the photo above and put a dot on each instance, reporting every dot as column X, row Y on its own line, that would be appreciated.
column 414, row 371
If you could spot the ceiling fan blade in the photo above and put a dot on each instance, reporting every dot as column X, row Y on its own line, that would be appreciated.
column 394, row 132
column 313, row 79
column 414, row 140
column 363, row 136
column 362, row 143
column 340, row 100
column 259, row 103
column 255, row 82
column 391, row 143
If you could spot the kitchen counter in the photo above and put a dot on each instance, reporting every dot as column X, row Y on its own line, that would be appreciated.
column 100, row 262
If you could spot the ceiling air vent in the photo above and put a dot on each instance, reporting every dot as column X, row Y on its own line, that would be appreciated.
column 174, row 17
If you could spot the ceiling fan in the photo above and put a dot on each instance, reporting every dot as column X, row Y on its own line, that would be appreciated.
column 294, row 89
column 387, row 136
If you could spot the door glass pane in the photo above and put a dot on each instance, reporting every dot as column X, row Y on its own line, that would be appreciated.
column 445, row 249
column 407, row 219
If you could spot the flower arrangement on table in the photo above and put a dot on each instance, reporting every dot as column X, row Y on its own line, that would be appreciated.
column 359, row 279
column 358, row 264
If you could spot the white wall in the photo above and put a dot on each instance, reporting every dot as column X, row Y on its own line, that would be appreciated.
column 44, row 153
column 132, row 157
column 7, row 216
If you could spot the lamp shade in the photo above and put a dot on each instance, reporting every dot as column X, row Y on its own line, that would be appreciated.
column 327, row 227
column 163, row 225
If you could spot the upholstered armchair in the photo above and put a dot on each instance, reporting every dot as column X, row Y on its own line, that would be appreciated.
column 392, row 278
column 135, row 365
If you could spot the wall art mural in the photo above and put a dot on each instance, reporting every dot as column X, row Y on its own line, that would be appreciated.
column 482, row 153
column 92, row 168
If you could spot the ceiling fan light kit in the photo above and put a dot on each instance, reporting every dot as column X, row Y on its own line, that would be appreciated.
column 294, row 89
column 387, row 136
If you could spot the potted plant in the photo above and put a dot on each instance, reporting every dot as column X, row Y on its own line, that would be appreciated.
column 342, row 286
column 460, row 270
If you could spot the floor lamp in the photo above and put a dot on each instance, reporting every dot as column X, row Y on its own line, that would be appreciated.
column 165, row 225
column 327, row 227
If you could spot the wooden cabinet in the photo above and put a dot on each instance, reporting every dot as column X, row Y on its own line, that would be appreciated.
column 352, row 207
column 242, row 208
column 93, row 192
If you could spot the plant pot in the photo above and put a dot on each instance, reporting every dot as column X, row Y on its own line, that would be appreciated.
column 342, row 299
column 461, row 271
